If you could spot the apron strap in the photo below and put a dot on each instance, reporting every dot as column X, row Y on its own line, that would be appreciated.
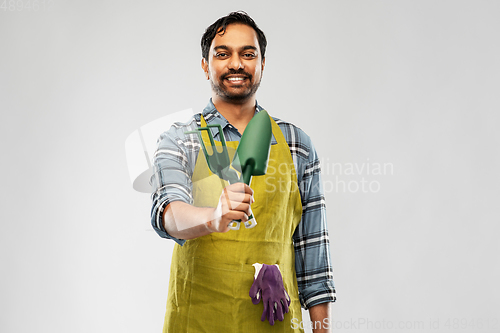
column 202, row 120
column 204, row 134
column 278, row 135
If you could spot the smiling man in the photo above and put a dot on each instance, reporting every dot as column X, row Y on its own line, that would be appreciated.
column 233, row 281
column 234, row 70
column 238, row 81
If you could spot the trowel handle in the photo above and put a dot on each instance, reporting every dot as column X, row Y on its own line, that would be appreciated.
column 234, row 225
column 250, row 223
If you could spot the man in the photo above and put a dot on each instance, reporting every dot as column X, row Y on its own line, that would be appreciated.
column 212, row 266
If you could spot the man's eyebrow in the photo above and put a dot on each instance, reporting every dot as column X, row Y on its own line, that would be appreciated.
column 225, row 47
column 221, row 47
column 249, row 47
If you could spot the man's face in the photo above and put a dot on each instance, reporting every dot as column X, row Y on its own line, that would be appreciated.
column 235, row 64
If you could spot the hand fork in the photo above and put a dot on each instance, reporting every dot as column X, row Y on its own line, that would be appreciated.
column 219, row 164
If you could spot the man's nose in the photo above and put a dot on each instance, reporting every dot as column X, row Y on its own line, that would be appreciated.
column 235, row 62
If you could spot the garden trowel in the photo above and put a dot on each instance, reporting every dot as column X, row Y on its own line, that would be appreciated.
column 252, row 154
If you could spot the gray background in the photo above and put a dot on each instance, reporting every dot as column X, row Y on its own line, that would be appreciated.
column 410, row 83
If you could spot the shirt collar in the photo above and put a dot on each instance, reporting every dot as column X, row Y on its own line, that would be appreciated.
column 211, row 114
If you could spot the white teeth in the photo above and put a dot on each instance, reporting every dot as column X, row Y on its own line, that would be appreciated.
column 235, row 78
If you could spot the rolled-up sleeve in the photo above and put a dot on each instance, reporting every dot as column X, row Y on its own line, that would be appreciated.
column 312, row 248
column 171, row 180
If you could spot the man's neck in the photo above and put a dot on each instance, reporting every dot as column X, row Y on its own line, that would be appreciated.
column 238, row 115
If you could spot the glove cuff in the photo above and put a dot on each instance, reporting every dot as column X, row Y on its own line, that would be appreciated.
column 258, row 267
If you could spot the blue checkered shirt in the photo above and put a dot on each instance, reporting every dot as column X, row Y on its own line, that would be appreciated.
column 174, row 163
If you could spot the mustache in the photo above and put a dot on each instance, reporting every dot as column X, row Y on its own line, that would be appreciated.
column 235, row 72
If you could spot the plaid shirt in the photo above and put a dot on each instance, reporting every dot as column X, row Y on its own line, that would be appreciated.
column 174, row 163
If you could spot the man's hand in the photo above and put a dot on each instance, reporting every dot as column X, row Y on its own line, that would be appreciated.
column 234, row 204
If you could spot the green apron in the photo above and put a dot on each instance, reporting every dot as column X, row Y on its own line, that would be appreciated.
column 211, row 276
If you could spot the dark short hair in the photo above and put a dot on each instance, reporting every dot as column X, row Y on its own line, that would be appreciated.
column 220, row 26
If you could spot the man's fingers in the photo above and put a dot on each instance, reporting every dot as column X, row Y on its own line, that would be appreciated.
column 237, row 200
column 236, row 215
column 239, row 206
column 234, row 204
column 240, row 188
column 239, row 197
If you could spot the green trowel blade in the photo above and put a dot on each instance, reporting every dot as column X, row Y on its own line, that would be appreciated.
column 253, row 150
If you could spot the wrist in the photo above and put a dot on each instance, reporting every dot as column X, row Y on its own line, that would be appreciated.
column 208, row 225
column 213, row 219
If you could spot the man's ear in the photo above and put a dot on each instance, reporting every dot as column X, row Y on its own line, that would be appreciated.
column 204, row 66
column 263, row 63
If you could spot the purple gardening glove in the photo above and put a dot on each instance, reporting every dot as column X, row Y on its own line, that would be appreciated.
column 268, row 286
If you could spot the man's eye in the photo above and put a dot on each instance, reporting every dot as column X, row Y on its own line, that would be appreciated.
column 218, row 55
column 249, row 55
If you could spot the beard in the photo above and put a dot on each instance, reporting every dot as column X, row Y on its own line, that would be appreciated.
column 240, row 96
